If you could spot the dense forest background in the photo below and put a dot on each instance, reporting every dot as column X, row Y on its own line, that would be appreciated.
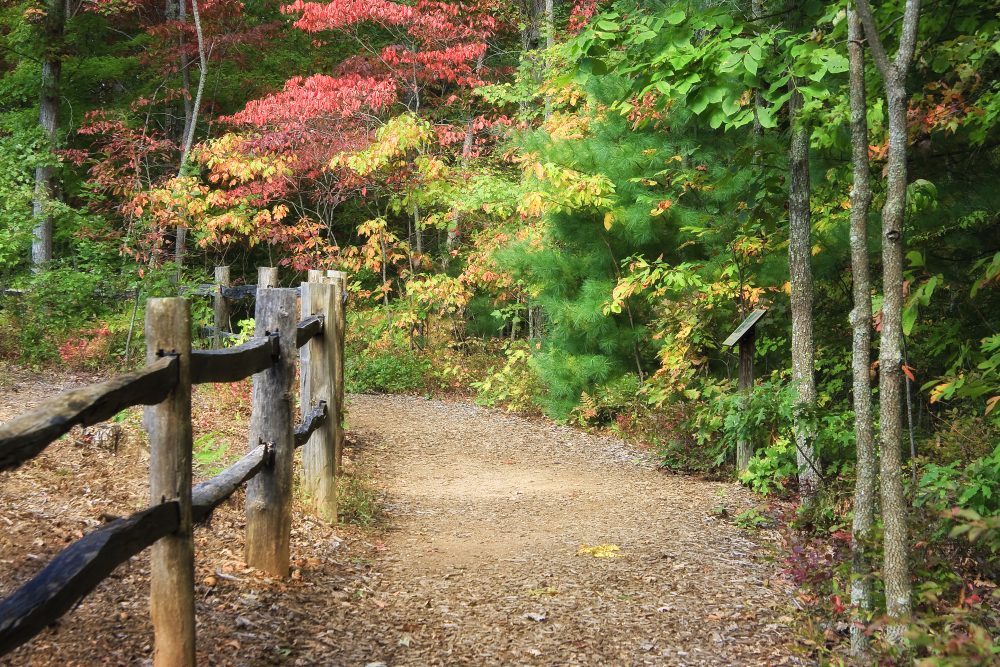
column 567, row 208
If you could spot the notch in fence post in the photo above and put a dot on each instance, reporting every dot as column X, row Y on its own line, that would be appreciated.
column 221, row 305
column 171, row 598
column 269, row 494
column 319, row 456
column 267, row 276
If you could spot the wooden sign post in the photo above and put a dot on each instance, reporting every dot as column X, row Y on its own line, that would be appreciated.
column 745, row 335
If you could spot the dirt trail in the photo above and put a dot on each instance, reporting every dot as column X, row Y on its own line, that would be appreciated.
column 482, row 563
column 478, row 564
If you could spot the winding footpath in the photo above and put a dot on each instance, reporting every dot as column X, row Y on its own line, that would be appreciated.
column 489, row 557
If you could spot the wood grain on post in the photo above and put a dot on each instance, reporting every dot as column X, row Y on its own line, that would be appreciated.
column 744, row 447
column 269, row 494
column 319, row 456
column 337, row 328
column 314, row 276
column 220, row 305
column 267, row 276
column 171, row 600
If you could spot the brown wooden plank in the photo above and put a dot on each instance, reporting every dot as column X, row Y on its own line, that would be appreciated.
column 308, row 329
column 77, row 570
column 208, row 495
column 311, row 421
column 234, row 363
column 26, row 436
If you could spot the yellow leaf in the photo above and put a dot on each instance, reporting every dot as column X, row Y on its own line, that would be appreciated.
column 600, row 551
column 609, row 217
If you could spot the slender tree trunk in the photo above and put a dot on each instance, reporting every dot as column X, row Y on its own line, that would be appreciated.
column 744, row 447
column 185, row 67
column 181, row 237
column 48, row 118
column 861, row 325
column 895, row 569
column 418, row 235
column 800, row 273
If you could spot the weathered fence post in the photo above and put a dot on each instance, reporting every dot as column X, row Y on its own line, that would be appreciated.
column 171, row 599
column 267, row 276
column 339, row 326
column 269, row 494
column 319, row 456
column 221, row 305
column 314, row 276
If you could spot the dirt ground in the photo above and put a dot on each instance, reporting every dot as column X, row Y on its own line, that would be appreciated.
column 488, row 553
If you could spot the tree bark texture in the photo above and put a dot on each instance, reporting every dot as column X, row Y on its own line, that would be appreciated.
column 171, row 598
column 895, row 546
column 861, row 327
column 269, row 494
column 800, row 276
column 48, row 118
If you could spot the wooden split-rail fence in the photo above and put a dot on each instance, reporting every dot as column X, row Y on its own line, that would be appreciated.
column 315, row 333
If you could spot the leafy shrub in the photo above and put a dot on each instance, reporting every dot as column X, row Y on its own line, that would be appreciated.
column 975, row 487
column 771, row 468
column 605, row 403
column 514, row 386
column 386, row 371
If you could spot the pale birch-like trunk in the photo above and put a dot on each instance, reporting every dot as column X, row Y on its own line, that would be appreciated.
column 48, row 119
column 191, row 125
column 895, row 569
column 800, row 276
column 861, row 326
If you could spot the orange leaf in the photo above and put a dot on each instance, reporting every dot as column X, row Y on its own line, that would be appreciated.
column 991, row 403
column 908, row 370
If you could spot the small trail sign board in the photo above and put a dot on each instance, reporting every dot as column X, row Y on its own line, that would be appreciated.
column 742, row 330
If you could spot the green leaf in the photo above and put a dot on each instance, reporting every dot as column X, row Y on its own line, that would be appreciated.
column 750, row 64
column 909, row 319
column 675, row 17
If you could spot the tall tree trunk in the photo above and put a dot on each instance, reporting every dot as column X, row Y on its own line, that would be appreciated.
column 48, row 119
column 861, row 325
column 896, row 571
column 800, row 274
column 744, row 447
column 191, row 125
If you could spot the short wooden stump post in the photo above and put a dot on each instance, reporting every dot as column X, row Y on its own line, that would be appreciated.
column 220, row 306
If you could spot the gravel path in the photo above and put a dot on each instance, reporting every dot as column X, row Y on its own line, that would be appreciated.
column 479, row 562
column 482, row 564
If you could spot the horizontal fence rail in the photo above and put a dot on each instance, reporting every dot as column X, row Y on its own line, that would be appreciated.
column 234, row 363
column 165, row 384
column 77, row 570
column 26, row 436
column 311, row 422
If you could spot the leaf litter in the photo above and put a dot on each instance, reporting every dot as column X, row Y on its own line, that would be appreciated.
column 486, row 515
